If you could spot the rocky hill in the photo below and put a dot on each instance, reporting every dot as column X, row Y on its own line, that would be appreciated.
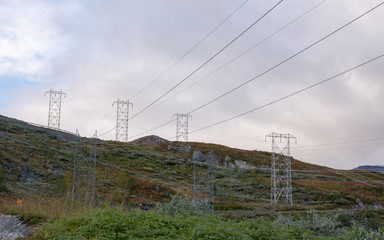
column 37, row 161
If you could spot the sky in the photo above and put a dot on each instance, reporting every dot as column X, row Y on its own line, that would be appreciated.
column 99, row 51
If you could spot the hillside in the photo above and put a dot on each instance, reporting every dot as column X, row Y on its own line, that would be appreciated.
column 376, row 168
column 36, row 161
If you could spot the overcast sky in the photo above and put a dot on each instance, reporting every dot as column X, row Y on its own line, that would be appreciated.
column 98, row 51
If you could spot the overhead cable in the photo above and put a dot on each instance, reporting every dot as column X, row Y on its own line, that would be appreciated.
column 290, row 95
column 287, row 59
column 210, row 59
column 189, row 51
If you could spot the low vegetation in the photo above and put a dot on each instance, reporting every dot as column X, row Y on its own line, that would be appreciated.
column 181, row 218
column 179, row 223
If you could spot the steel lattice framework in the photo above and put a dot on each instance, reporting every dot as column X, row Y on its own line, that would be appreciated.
column 122, row 117
column 203, row 182
column 55, row 98
column 182, row 126
column 281, row 181
column 84, row 169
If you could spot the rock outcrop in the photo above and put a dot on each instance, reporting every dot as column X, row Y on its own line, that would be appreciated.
column 12, row 228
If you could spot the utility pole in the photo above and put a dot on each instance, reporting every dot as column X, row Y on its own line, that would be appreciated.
column 94, row 168
column 182, row 125
column 55, row 98
column 74, row 165
column 84, row 169
column 203, row 180
column 122, row 117
column 281, row 181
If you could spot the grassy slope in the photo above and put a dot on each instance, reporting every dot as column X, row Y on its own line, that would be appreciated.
column 135, row 173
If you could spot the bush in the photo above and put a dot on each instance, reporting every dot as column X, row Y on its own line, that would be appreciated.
column 182, row 206
column 326, row 224
column 116, row 224
column 32, row 218
column 360, row 232
column 125, row 181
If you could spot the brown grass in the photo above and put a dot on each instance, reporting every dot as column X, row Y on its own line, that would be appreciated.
column 43, row 208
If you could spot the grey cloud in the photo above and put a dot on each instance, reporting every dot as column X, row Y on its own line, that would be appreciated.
column 114, row 48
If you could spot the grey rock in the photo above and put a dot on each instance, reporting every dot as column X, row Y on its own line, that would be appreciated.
column 28, row 175
column 12, row 228
column 180, row 148
column 243, row 165
column 378, row 206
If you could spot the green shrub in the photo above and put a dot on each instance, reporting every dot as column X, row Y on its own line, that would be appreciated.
column 32, row 218
column 117, row 224
column 360, row 232
column 182, row 206
column 324, row 224
column 133, row 154
column 125, row 181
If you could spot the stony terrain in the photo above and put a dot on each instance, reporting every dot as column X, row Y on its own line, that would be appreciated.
column 11, row 228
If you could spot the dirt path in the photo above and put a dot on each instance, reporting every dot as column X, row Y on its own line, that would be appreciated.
column 11, row 227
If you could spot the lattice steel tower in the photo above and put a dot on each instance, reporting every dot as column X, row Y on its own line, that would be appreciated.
column 84, row 169
column 182, row 126
column 122, row 119
column 55, row 98
column 203, row 180
column 281, row 181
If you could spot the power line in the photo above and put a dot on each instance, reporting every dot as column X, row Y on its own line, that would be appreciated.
column 110, row 130
column 162, row 125
column 270, row 69
column 190, row 50
column 287, row 59
column 210, row 59
column 292, row 94
column 242, row 54
column 303, row 147
column 356, row 174
column 378, row 175
column 347, row 142
column 350, row 147
column 270, row 103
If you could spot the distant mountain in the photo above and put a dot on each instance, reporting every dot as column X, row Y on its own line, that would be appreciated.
column 376, row 168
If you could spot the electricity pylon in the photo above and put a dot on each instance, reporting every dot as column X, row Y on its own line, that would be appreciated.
column 203, row 180
column 281, row 181
column 182, row 126
column 84, row 169
column 122, row 119
column 54, row 108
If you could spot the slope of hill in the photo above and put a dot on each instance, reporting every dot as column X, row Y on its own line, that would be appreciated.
column 372, row 168
column 39, row 161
